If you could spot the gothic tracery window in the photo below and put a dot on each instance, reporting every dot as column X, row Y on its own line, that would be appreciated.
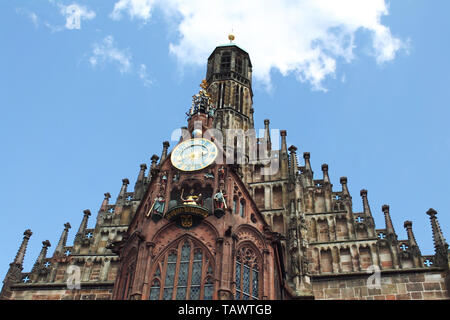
column 185, row 272
column 247, row 274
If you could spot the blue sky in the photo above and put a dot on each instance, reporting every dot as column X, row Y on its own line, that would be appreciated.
column 90, row 89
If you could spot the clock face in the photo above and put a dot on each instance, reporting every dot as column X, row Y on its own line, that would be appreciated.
column 194, row 154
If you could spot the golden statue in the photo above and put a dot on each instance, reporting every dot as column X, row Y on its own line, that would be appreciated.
column 204, row 84
column 191, row 199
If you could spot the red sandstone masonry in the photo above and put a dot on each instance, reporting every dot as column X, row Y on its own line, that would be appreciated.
column 393, row 287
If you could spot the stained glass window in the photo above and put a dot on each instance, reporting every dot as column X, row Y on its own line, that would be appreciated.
column 196, row 274
column 184, row 272
column 238, row 280
column 255, row 284
column 154, row 290
column 247, row 275
column 209, row 289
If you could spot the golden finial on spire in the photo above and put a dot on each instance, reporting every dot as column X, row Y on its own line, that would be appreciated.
column 231, row 36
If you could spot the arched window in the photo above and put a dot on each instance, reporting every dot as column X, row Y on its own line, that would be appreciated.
column 185, row 272
column 242, row 208
column 247, row 274
column 234, row 205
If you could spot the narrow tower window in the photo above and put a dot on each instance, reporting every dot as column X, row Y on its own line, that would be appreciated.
column 225, row 62
column 242, row 208
column 236, row 98
column 239, row 65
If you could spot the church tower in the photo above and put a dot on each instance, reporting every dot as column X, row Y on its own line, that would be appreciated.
column 229, row 75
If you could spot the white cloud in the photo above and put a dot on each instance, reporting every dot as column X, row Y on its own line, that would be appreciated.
column 107, row 52
column 143, row 75
column 34, row 18
column 140, row 9
column 30, row 15
column 306, row 38
column 74, row 13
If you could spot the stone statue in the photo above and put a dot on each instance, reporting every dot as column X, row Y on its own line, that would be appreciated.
column 219, row 200
column 158, row 206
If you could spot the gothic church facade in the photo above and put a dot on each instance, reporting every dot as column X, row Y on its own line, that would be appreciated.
column 198, row 226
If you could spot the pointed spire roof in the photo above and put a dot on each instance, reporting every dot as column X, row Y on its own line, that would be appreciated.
column 18, row 260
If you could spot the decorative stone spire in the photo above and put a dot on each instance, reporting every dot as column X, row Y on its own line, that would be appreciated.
column 440, row 245
column 366, row 206
column 343, row 181
column 123, row 189
column 140, row 182
column 18, row 261
column 63, row 239
column 417, row 255
column 42, row 255
column 387, row 218
column 154, row 160
column 307, row 156
column 326, row 178
column 409, row 232
column 15, row 268
column 284, row 165
column 267, row 134
column 166, row 146
column 83, row 225
column 105, row 202
column 293, row 161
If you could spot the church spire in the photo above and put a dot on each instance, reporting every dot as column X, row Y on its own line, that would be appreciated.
column 83, row 225
column 166, row 146
column 267, row 135
column 326, row 178
column 23, row 248
column 140, row 183
column 365, row 201
column 440, row 245
column 63, row 239
column 409, row 231
column 42, row 255
column 343, row 181
column 123, row 189
column 284, row 164
column 388, row 220
column 105, row 202
column 293, row 161
column 15, row 268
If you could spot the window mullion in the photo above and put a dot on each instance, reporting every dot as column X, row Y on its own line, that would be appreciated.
column 189, row 277
column 203, row 276
column 177, row 271
column 163, row 275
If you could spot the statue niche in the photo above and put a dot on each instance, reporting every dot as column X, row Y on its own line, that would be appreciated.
column 188, row 208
